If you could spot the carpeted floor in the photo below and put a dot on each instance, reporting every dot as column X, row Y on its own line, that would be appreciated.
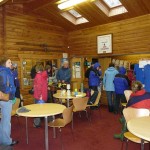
column 94, row 135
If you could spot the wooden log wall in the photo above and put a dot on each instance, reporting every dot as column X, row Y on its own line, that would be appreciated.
column 130, row 36
column 21, row 34
column 31, row 34
column 130, row 42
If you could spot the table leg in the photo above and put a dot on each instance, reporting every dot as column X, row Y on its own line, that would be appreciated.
column 67, row 102
column 27, row 130
column 46, row 134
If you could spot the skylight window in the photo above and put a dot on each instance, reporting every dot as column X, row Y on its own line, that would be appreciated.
column 113, row 3
column 110, row 7
column 75, row 13
column 74, row 17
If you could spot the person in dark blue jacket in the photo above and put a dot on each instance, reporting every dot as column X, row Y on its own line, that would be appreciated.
column 121, row 83
column 64, row 73
column 94, row 77
column 6, row 86
column 16, row 80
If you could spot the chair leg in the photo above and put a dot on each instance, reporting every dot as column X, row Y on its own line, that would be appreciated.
column 127, row 144
column 122, row 145
column 124, row 140
column 142, row 144
column 72, row 120
column 61, row 139
column 79, row 114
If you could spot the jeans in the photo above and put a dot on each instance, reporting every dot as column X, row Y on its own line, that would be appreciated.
column 119, row 97
column 111, row 96
column 5, row 123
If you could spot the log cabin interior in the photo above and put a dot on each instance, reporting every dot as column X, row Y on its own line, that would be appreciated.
column 34, row 31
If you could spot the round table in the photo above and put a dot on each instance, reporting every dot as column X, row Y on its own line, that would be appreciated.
column 68, row 97
column 42, row 110
column 140, row 127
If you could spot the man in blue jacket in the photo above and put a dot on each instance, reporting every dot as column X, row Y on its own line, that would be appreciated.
column 121, row 83
column 64, row 73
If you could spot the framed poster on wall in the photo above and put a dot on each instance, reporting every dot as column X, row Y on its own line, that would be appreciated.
column 104, row 44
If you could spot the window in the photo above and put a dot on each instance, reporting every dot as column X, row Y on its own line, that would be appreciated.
column 110, row 7
column 112, row 3
column 74, row 17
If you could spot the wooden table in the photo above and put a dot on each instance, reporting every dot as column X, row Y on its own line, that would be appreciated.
column 65, row 96
column 42, row 110
column 140, row 127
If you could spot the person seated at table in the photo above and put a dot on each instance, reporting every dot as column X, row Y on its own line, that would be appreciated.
column 64, row 73
column 138, row 99
column 40, row 89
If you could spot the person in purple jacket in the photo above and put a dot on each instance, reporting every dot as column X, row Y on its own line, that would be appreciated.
column 121, row 83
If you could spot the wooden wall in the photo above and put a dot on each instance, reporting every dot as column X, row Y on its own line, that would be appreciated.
column 26, row 34
column 130, row 36
column 22, row 34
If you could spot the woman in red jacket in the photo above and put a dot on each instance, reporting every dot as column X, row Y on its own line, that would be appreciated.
column 40, row 89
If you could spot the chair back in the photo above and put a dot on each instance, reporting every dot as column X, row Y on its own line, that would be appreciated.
column 67, row 115
column 97, row 99
column 131, row 113
column 58, row 91
column 127, row 94
column 15, row 107
column 80, row 103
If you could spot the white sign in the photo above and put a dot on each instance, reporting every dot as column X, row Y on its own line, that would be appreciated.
column 104, row 44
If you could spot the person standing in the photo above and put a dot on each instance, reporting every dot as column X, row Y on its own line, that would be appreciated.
column 94, row 77
column 40, row 89
column 121, row 83
column 16, row 81
column 108, row 79
column 64, row 73
column 6, row 86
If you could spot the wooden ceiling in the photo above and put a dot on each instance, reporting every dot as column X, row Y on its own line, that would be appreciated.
column 48, row 9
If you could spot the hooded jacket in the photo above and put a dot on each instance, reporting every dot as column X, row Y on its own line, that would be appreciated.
column 7, row 82
column 121, row 81
column 108, row 79
column 40, row 86
column 94, row 77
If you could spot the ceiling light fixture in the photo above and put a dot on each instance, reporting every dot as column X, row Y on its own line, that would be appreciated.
column 69, row 3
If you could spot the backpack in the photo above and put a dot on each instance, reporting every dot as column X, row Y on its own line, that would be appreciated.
column 87, row 73
column 33, row 72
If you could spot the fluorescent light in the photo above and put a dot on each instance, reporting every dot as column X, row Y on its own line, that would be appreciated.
column 69, row 3
column 1, row 1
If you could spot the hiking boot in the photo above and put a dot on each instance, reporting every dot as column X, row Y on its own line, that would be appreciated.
column 119, row 136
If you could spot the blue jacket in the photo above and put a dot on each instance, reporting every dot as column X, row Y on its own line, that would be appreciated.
column 121, row 81
column 64, row 74
column 94, row 77
column 108, row 79
column 7, row 82
column 147, row 77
